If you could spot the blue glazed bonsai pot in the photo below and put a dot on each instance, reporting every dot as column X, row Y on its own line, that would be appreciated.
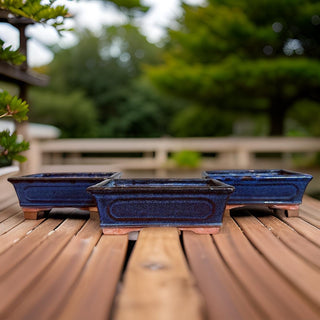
column 51, row 190
column 263, row 186
column 161, row 202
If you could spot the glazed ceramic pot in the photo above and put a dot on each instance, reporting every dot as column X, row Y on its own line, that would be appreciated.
column 161, row 202
column 51, row 190
column 263, row 186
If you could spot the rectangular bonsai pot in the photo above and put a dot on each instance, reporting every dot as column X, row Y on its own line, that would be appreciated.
column 263, row 186
column 51, row 190
column 161, row 202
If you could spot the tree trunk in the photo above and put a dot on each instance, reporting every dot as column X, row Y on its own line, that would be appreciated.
column 277, row 113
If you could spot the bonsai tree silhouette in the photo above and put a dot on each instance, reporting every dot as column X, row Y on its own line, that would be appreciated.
column 29, row 11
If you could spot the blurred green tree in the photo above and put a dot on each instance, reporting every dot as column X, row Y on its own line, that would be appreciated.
column 102, row 66
column 304, row 119
column 144, row 112
column 198, row 121
column 108, row 69
column 72, row 113
column 131, row 8
column 244, row 56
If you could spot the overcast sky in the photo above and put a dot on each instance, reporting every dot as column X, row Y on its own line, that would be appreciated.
column 91, row 14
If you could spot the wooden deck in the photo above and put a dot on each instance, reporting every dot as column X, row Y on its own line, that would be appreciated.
column 258, row 267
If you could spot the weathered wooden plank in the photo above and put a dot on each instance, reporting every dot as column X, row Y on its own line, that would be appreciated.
column 8, row 196
column 157, row 282
column 16, row 234
column 18, row 281
column 23, row 248
column 307, row 230
column 11, row 222
column 276, row 297
column 309, row 201
column 309, row 251
column 9, row 211
column 311, row 209
column 309, row 216
column 93, row 295
column 46, row 295
column 225, row 298
column 305, row 215
column 293, row 267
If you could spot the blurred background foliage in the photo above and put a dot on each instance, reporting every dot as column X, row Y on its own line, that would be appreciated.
column 227, row 67
column 118, row 100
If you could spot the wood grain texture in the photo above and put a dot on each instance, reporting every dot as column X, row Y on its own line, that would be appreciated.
column 312, row 202
column 24, row 247
column 275, row 296
column 157, row 282
column 224, row 297
column 16, row 234
column 51, row 289
column 92, row 297
column 304, row 228
column 310, row 216
column 310, row 209
column 11, row 222
column 7, row 197
column 9, row 211
column 293, row 267
column 302, row 246
column 19, row 280
column 263, row 267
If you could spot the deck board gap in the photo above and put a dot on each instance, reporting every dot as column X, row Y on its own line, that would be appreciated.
column 251, row 297
column 11, row 223
column 16, row 234
column 304, row 228
column 310, row 221
column 26, row 245
column 237, row 280
column 224, row 296
column 68, row 253
column 293, row 241
column 260, row 278
column 291, row 266
column 252, row 242
column 130, row 249
column 8, row 203
column 9, row 212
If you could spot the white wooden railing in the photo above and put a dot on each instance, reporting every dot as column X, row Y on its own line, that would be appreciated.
column 154, row 153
